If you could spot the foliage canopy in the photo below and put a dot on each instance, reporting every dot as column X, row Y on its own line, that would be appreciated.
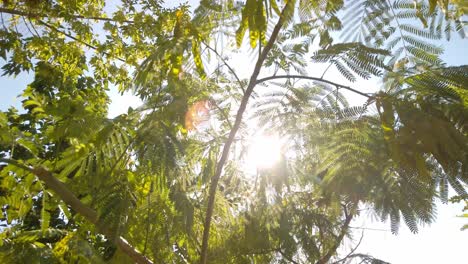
column 167, row 182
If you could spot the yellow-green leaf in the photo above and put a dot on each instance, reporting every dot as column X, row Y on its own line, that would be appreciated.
column 197, row 58
column 45, row 216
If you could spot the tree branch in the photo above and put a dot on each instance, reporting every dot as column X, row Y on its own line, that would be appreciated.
column 76, row 39
column 371, row 229
column 232, row 134
column 325, row 259
column 227, row 65
column 341, row 86
column 34, row 15
column 286, row 256
column 38, row 15
column 352, row 251
column 69, row 198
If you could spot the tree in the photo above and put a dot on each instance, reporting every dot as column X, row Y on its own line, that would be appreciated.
column 160, row 184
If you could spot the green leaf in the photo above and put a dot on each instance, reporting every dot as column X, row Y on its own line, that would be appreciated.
column 45, row 216
column 29, row 145
column 432, row 6
column 197, row 58
column 242, row 28
column 274, row 5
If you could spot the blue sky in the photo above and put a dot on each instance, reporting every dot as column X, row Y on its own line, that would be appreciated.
column 442, row 242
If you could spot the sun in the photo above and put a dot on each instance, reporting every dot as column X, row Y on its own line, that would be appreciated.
column 264, row 151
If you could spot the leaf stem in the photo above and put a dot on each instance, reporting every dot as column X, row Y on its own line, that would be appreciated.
column 399, row 28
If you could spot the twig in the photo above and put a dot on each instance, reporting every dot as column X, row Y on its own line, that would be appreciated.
column 27, row 26
column 76, row 39
column 33, row 27
column 368, row 228
column 3, row 22
column 323, row 98
column 314, row 79
column 286, row 257
column 226, row 117
column 227, row 65
column 38, row 15
column 326, row 69
column 325, row 259
column 352, row 251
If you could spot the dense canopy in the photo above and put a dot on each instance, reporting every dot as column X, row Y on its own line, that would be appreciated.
column 244, row 149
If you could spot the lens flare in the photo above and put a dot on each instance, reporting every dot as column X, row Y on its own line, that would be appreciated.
column 197, row 115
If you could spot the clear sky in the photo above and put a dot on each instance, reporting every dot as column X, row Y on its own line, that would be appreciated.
column 442, row 242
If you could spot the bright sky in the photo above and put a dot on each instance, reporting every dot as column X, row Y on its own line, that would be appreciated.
column 442, row 242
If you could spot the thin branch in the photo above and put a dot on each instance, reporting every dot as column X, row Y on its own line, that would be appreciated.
column 34, row 15
column 352, row 251
column 323, row 98
column 328, row 67
column 16, row 164
column 227, row 65
column 286, row 256
column 314, row 79
column 345, row 210
column 76, row 39
column 225, row 116
column 271, row 250
column 38, row 15
column 3, row 22
column 232, row 134
column 27, row 26
column 368, row 228
column 66, row 34
column 325, row 259
column 33, row 27
column 69, row 198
